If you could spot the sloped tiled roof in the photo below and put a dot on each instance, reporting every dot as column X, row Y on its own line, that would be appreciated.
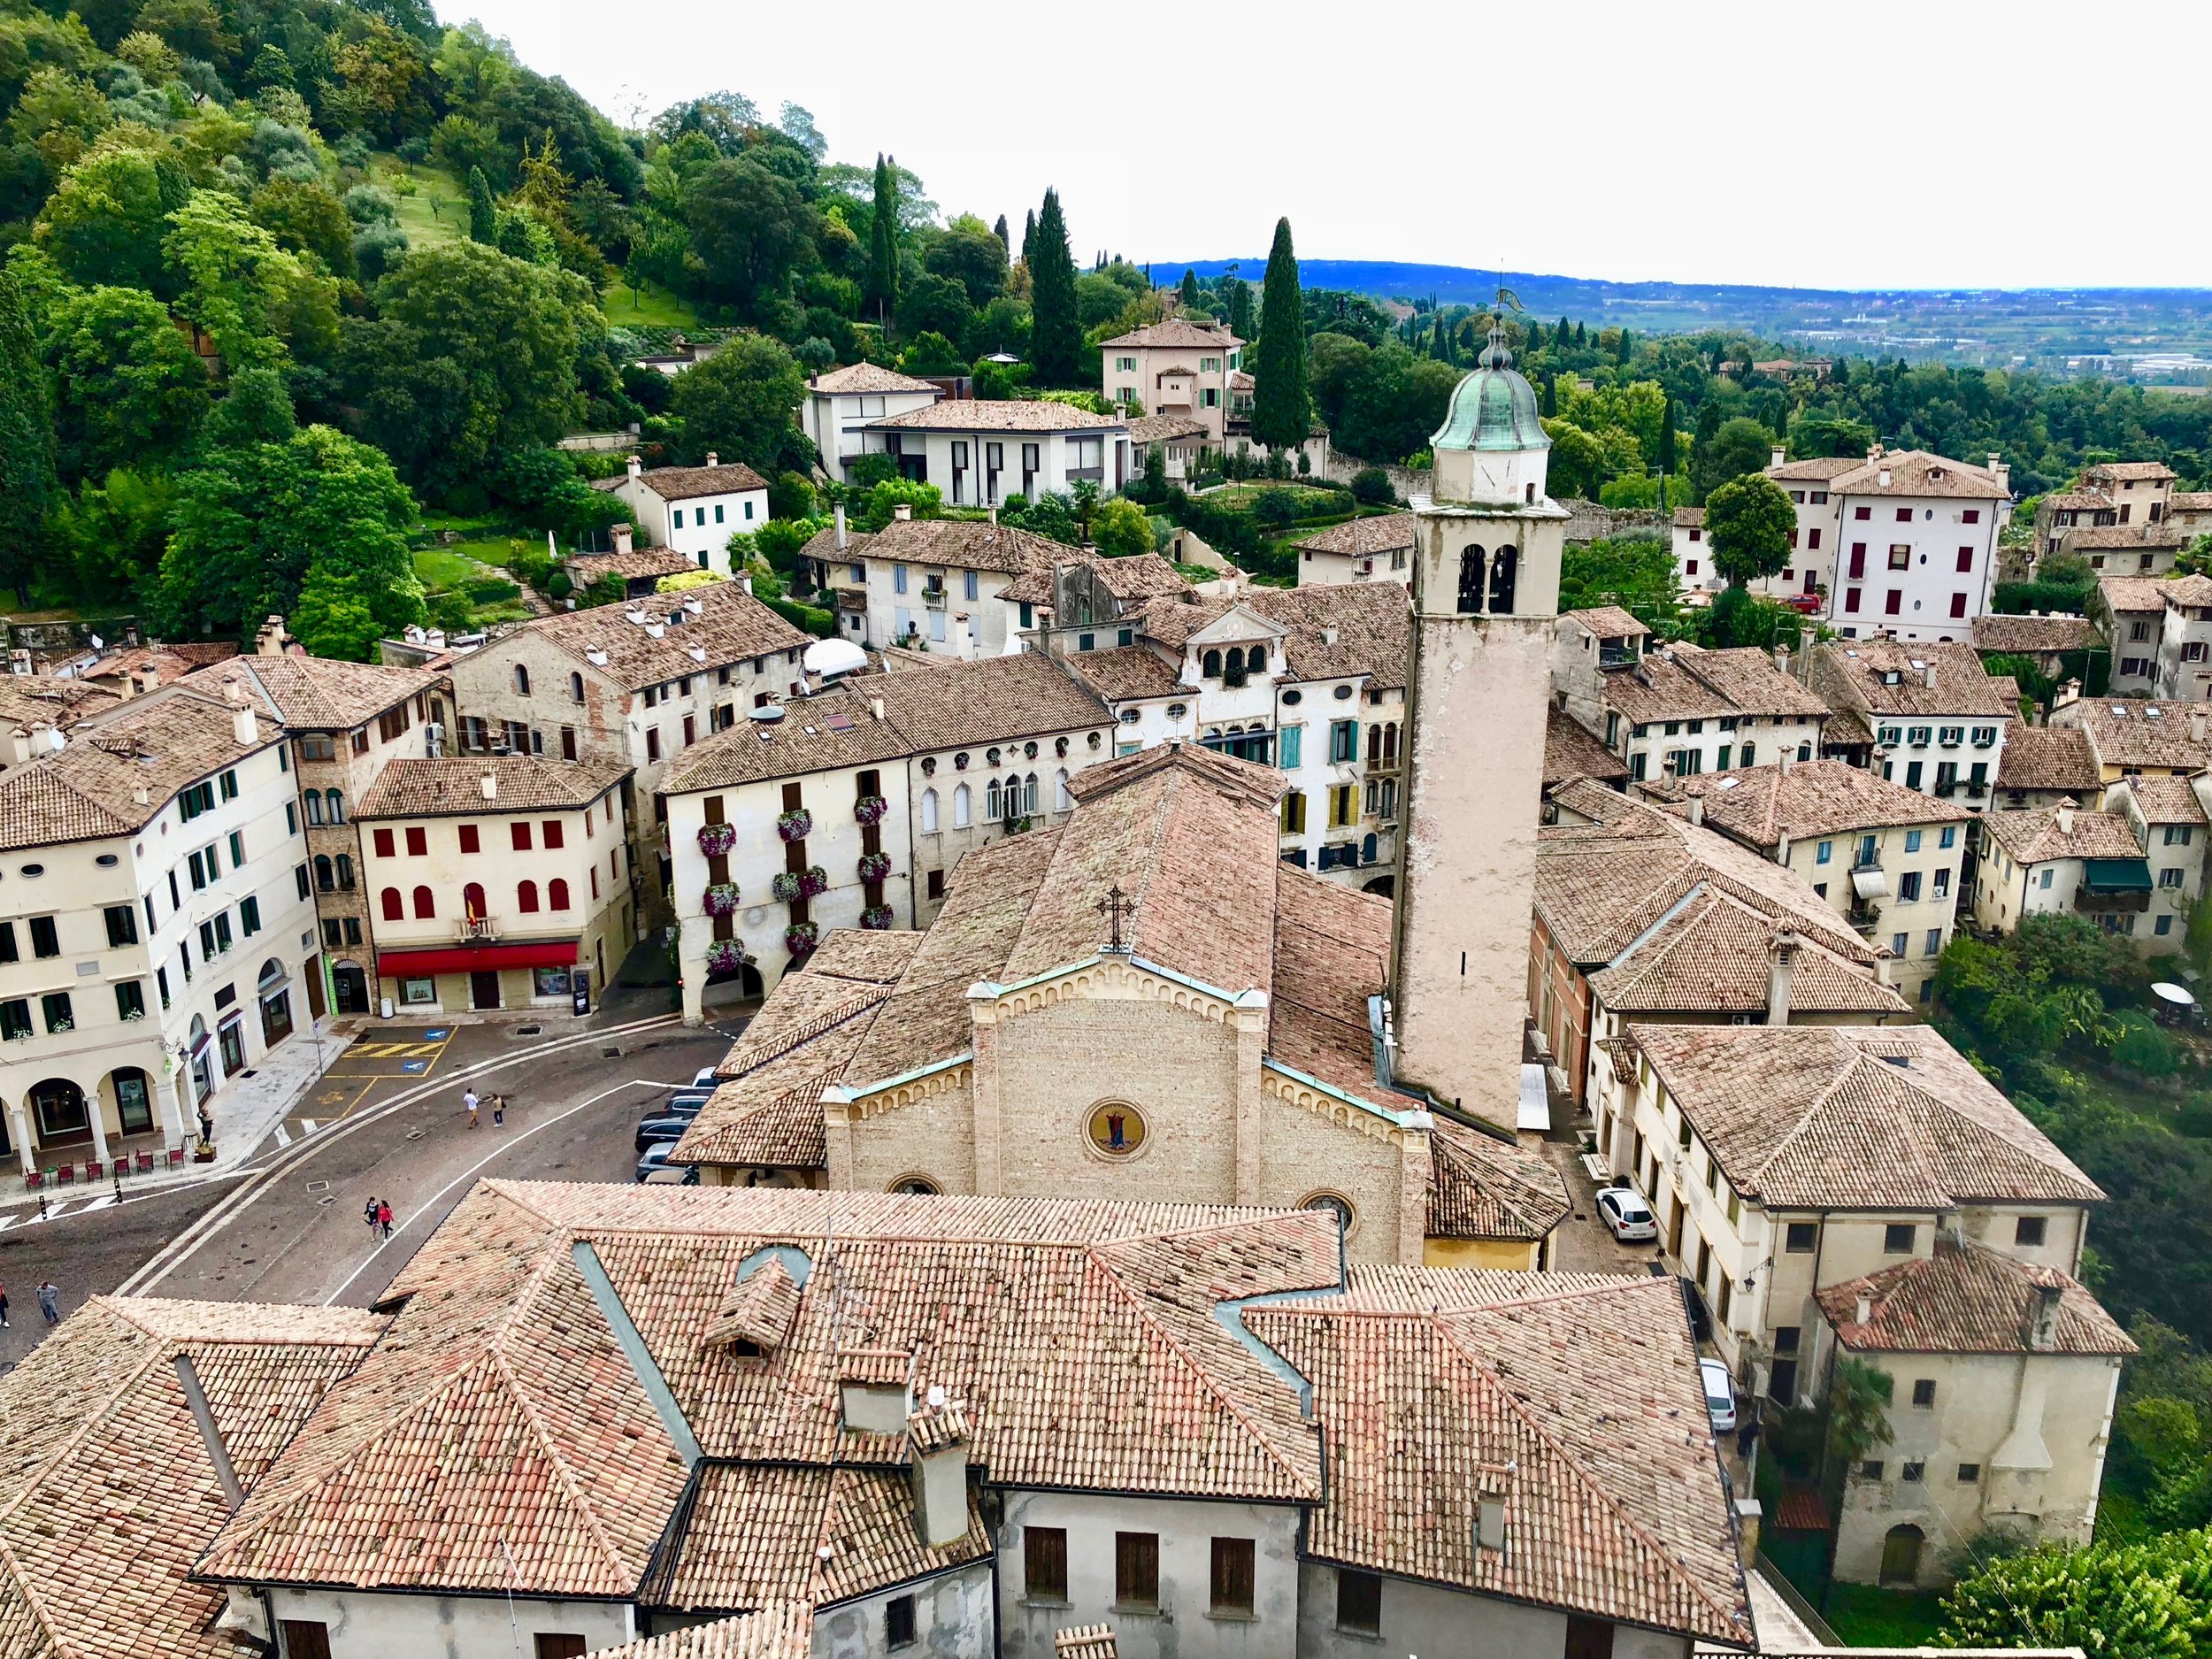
column 1713, row 955
column 1575, row 1398
column 110, row 1492
column 453, row 786
column 867, row 377
column 1177, row 332
column 2167, row 800
column 682, row 483
column 1606, row 622
column 968, row 544
column 1382, row 532
column 2034, row 837
column 1856, row 673
column 1127, row 577
column 1917, row 472
column 28, row 702
column 89, row 788
column 2122, row 470
column 1849, row 1117
column 638, row 563
column 2032, row 635
column 728, row 625
column 1371, row 623
column 318, row 693
column 1758, row 804
column 1966, row 1299
column 782, row 1631
column 1483, row 1188
column 2142, row 538
column 1147, row 429
column 1681, row 682
column 1021, row 414
column 1818, row 469
column 1572, row 751
column 2131, row 733
column 1086, row 1641
column 2048, row 757
column 1125, row 671
column 2126, row 595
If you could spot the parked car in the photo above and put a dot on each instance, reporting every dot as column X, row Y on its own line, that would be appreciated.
column 704, row 1078
column 1720, row 1395
column 654, row 1166
column 685, row 1100
column 1627, row 1216
column 655, row 1131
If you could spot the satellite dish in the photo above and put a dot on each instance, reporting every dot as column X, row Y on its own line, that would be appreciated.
column 97, row 642
column 2167, row 991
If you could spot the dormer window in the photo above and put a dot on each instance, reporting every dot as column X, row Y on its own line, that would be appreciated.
column 755, row 1318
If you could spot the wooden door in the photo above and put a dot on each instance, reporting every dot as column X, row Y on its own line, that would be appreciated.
column 484, row 988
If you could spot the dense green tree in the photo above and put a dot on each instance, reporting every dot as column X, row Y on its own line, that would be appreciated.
column 112, row 535
column 739, row 403
column 306, row 219
column 2143, row 1602
column 1667, row 461
column 973, row 255
column 1749, row 525
column 256, row 408
column 1055, row 336
column 1736, row 447
column 28, row 488
column 1240, row 308
column 247, row 295
column 1120, row 526
column 1029, row 233
column 1187, row 293
column 483, row 215
column 128, row 388
column 936, row 304
column 1282, row 411
column 105, row 223
column 881, row 288
column 751, row 228
column 1634, row 572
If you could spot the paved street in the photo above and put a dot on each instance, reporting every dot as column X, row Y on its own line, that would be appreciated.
column 386, row 1120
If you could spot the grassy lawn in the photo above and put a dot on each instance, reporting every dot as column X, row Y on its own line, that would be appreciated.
column 1867, row 1617
column 653, row 307
column 432, row 207
column 440, row 569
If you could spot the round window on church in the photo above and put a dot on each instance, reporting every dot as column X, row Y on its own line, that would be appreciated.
column 1115, row 1129
column 916, row 1187
column 1335, row 1204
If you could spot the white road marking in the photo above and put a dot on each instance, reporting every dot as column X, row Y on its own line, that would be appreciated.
column 307, row 1125
column 9, row 1220
column 282, row 1139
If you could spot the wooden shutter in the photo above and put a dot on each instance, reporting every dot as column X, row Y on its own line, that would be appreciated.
column 1137, row 1568
column 304, row 1638
column 1045, row 1563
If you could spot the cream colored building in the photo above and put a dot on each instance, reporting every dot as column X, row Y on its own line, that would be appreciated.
column 1939, row 721
column 1174, row 368
column 898, row 776
column 1792, row 1169
column 2061, row 860
column 2133, row 738
column 931, row 584
column 1888, row 859
column 1679, row 710
column 981, row 453
column 1143, row 1002
column 1373, row 549
column 497, row 883
column 694, row 510
column 841, row 402
column 156, row 931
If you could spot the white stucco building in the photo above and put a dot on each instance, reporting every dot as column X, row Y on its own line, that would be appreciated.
column 980, row 452
column 1939, row 720
column 1374, row 549
column 1174, row 368
column 841, row 403
column 1916, row 539
column 694, row 510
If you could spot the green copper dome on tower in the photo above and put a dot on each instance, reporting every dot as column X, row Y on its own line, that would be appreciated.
column 1493, row 408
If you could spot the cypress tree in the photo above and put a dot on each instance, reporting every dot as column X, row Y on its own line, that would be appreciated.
column 483, row 221
column 1622, row 356
column 27, row 485
column 1580, row 337
column 1438, row 348
column 1055, row 336
column 1565, row 336
column 1666, row 442
column 1239, row 308
column 999, row 231
column 883, row 244
column 1188, row 295
column 1029, row 234
column 1549, row 404
column 1282, row 414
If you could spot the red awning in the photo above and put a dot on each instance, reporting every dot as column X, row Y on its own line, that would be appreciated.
column 560, row 953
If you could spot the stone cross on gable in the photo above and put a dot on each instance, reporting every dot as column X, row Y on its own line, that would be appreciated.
column 1116, row 906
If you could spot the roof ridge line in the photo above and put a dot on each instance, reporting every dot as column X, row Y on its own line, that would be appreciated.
column 23, row 1583
column 623, row 1574
column 77, row 1436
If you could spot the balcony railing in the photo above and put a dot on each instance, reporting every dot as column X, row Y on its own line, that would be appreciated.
column 934, row 597
column 2085, row 900
column 478, row 930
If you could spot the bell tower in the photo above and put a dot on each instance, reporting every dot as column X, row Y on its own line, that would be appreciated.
column 1486, row 589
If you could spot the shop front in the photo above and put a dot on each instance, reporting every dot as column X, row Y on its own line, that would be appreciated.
column 540, row 974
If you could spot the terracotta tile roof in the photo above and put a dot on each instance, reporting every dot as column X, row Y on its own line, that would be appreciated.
column 2167, row 800
column 1917, row 472
column 1758, row 804
column 2074, row 500
column 28, row 702
column 783, row 1631
column 855, row 953
column 2123, row 471
column 2030, row 635
column 1570, row 751
column 2033, row 836
column 1331, row 953
column 1966, row 1299
column 89, row 789
column 2188, row 593
column 2128, row 594
column 2048, row 757
column 1372, row 623
column 1606, row 622
column 2190, row 501
column 721, row 623
column 1844, row 1118
column 1483, row 1188
column 823, row 545
column 171, row 660
column 1020, row 414
column 1574, row 1398
column 317, row 692
column 1384, row 532
column 2139, row 538
column 947, row 703
column 1150, row 429
column 1689, row 518
column 453, row 786
column 110, row 1492
column 968, row 544
column 1856, row 674
column 1086, row 1641
column 1128, row 672
column 1177, row 332
column 1681, row 682
column 868, row 377
column 1605, row 807
column 1802, row 1511
column 1845, row 730
column 2128, row 732
column 1818, row 469
column 1713, row 956
column 1242, row 380
column 682, row 483
column 1128, row 576
column 586, row 568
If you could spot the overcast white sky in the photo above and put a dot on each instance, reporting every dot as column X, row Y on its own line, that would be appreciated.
column 1716, row 141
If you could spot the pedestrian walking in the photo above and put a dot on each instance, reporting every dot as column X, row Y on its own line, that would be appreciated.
column 384, row 1218
column 499, row 1111
column 469, row 1101
column 4, row 1326
column 49, row 1301
column 207, row 1127
column 368, row 1214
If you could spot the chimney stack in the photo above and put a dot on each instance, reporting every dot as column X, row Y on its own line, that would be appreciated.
column 621, row 534
column 713, row 459
column 2043, row 1302
column 2196, row 725
column 1789, row 758
column 1781, row 968
column 1782, row 659
column 491, row 786
column 1780, row 455
column 271, row 640
column 875, row 707
column 637, row 467
column 1697, row 809
column 1927, row 675
column 2066, row 815
column 841, row 526
column 902, row 511
column 149, row 677
column 937, row 1438
column 243, row 726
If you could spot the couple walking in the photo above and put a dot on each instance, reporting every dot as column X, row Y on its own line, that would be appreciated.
column 377, row 1214
column 499, row 1108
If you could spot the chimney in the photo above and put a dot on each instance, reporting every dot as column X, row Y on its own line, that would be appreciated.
column 621, row 534
column 142, row 795
column 2066, row 815
column 637, row 467
column 713, row 459
column 1782, row 848
column 995, row 512
column 1789, row 757
column 2003, row 471
column 1697, row 809
column 244, row 727
column 1782, row 659
column 272, row 638
column 1490, row 1521
column 149, row 677
column 1864, row 1310
column 491, row 786
column 902, row 511
column 841, row 526
column 434, row 639
column 2196, row 725
column 1780, row 455
column 1873, row 453
column 1781, row 967
column 1927, row 675
column 937, row 1443
column 2042, row 1332
column 871, row 1390
column 129, row 687
column 875, row 707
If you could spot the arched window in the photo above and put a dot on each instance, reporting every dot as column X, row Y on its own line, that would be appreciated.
column 1233, row 668
column 1061, row 799
column 991, row 800
column 1255, row 659
column 522, row 680
column 1748, row 749
column 324, row 882
column 345, row 873
column 1029, row 794
column 1901, row 1554
column 1390, row 744
column 929, row 812
column 962, row 807
column 426, row 906
column 525, row 896
column 394, row 910
column 1471, row 581
column 1503, row 569
column 556, row 894
column 314, row 802
column 472, row 901
column 1374, row 745
column 576, row 687
column 334, row 806
column 1209, row 664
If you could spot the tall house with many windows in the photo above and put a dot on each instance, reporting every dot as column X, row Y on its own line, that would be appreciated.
column 694, row 510
column 1486, row 591
column 1938, row 719
column 1916, row 539
column 1174, row 368
column 157, row 932
column 841, row 402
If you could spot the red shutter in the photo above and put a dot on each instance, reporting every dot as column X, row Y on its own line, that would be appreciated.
column 1858, row 560
column 384, row 843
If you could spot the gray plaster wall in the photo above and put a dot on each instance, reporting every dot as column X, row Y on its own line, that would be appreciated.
column 1430, row 1621
column 366, row 1624
column 952, row 1619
